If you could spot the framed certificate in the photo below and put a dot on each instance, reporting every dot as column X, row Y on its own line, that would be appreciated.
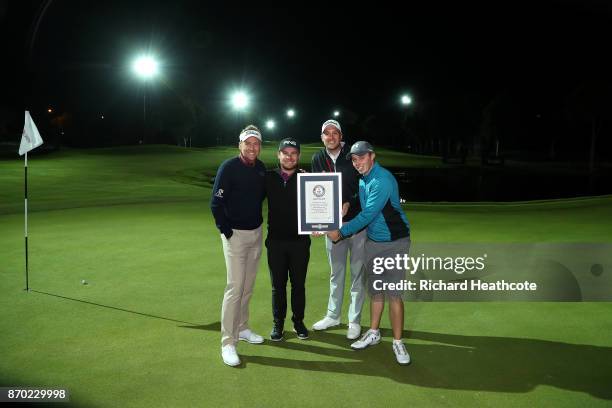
column 319, row 202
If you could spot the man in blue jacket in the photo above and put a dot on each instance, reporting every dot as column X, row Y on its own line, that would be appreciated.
column 236, row 205
column 388, row 234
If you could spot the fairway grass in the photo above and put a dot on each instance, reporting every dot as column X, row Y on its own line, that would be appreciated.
column 144, row 329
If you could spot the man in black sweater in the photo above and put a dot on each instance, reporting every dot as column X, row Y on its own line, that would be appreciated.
column 332, row 158
column 236, row 203
column 288, row 252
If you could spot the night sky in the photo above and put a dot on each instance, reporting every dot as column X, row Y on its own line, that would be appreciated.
column 315, row 58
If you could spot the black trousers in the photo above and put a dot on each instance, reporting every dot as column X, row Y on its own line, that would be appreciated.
column 288, row 260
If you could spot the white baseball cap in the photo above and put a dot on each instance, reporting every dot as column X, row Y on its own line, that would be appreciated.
column 333, row 123
column 250, row 133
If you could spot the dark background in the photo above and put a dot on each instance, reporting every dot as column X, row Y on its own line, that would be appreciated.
column 529, row 80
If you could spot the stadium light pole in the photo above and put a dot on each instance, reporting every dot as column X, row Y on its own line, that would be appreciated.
column 146, row 68
column 290, row 113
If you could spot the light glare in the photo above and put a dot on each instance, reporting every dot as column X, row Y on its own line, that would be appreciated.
column 240, row 100
column 145, row 67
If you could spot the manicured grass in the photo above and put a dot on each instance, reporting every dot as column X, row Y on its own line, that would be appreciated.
column 132, row 174
column 144, row 331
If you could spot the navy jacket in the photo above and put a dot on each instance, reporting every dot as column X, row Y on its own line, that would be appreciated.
column 237, row 196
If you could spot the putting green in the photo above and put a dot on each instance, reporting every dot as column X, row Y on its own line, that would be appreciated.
column 134, row 223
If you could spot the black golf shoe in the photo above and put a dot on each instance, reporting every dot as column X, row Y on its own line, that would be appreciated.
column 277, row 330
column 301, row 330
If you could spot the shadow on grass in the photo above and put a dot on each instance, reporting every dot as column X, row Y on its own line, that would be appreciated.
column 215, row 326
column 111, row 307
column 457, row 362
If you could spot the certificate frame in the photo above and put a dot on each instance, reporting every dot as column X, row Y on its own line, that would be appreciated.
column 329, row 189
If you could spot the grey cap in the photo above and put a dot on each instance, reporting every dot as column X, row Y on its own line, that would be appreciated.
column 360, row 148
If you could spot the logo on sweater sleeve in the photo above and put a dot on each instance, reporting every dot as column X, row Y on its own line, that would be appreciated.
column 219, row 193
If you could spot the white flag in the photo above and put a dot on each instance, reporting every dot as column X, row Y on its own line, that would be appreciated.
column 30, row 139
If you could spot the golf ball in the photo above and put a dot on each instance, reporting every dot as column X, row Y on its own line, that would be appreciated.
column 83, row 282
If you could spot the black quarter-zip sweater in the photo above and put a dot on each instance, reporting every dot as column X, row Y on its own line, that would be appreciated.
column 282, row 207
column 322, row 163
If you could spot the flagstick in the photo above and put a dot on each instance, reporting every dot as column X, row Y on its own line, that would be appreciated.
column 26, row 220
column 30, row 139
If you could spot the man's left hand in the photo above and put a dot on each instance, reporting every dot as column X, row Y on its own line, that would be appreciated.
column 345, row 208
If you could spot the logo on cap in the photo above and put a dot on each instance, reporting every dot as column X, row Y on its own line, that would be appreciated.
column 250, row 133
column 289, row 143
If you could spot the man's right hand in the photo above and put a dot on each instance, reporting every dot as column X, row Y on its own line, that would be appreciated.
column 334, row 236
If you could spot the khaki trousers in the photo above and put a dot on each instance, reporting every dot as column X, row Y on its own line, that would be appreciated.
column 242, row 252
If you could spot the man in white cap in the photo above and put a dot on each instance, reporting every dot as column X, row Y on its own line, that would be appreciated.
column 332, row 158
column 236, row 203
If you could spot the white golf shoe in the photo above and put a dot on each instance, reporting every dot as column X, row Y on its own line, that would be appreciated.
column 325, row 323
column 353, row 332
column 370, row 338
column 250, row 337
column 229, row 355
column 401, row 354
